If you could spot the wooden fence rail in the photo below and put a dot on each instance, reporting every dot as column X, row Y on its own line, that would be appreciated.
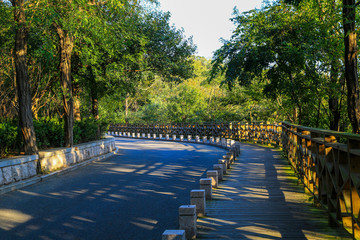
column 327, row 162
column 259, row 132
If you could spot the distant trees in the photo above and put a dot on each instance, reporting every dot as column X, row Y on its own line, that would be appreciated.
column 193, row 100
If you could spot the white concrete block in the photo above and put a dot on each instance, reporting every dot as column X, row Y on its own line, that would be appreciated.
column 213, row 174
column 197, row 198
column 219, row 169
column 205, row 184
column 187, row 220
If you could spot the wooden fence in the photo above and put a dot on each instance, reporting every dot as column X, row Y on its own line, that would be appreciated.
column 327, row 162
column 258, row 132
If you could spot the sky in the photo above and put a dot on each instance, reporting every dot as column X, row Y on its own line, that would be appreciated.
column 206, row 20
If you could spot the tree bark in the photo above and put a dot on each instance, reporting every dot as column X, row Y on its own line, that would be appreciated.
column 95, row 108
column 93, row 94
column 351, row 76
column 22, row 80
column 66, row 44
column 76, row 95
column 127, row 106
column 333, row 101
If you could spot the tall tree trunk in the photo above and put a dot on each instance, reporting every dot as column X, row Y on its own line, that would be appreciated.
column 127, row 106
column 76, row 94
column 351, row 76
column 66, row 46
column 93, row 94
column 318, row 114
column 22, row 80
column 333, row 101
column 95, row 107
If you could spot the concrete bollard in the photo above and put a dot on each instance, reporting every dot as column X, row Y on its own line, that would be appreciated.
column 160, row 136
column 231, row 157
column 227, row 160
column 143, row 135
column 237, row 146
column 213, row 174
column 133, row 135
column 154, row 135
column 173, row 235
column 205, row 139
column 212, row 140
column 197, row 198
column 174, row 137
column 167, row 137
column 228, row 143
column 232, row 143
column 205, row 184
column 129, row 134
column 223, row 142
column 197, row 139
column 189, row 138
column 138, row 135
column 181, row 138
column 224, row 163
column 148, row 135
column 187, row 220
column 219, row 169
column 217, row 141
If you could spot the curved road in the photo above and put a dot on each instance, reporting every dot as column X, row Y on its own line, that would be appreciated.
column 132, row 195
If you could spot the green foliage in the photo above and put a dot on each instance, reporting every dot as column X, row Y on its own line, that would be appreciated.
column 296, row 51
column 8, row 137
column 49, row 133
column 89, row 129
column 193, row 100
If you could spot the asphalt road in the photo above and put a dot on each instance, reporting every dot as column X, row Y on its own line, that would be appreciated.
column 132, row 195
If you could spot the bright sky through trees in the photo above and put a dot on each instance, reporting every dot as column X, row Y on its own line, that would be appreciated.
column 206, row 20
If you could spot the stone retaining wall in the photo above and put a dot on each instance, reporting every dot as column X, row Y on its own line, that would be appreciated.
column 16, row 169
column 20, row 168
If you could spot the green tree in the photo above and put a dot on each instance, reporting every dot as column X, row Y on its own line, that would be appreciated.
column 277, row 45
column 22, row 78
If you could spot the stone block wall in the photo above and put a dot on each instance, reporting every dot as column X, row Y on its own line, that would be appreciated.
column 16, row 169
column 55, row 159
column 20, row 168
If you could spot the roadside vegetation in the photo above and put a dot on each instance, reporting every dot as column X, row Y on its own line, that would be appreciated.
column 70, row 68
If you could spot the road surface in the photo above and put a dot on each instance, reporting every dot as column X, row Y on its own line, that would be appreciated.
column 132, row 195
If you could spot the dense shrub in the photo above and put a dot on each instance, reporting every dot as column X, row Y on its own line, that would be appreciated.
column 49, row 133
column 8, row 137
column 85, row 130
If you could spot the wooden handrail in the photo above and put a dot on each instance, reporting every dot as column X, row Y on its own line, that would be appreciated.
column 327, row 162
